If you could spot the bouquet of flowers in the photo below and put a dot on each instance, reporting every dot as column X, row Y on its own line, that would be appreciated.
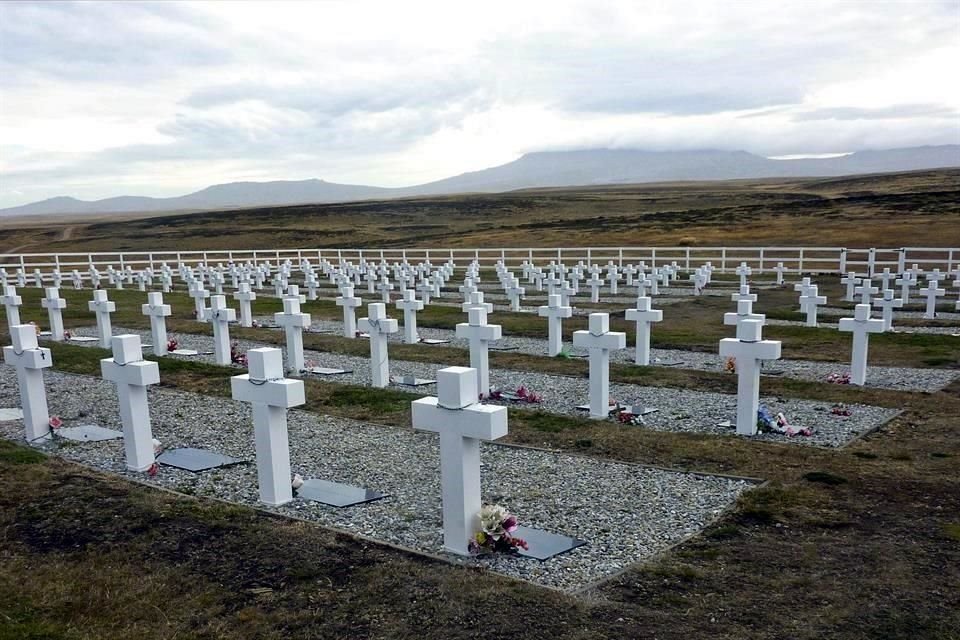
column 521, row 395
column 172, row 344
column 839, row 378
column 730, row 365
column 496, row 531
column 840, row 409
column 237, row 356
column 768, row 423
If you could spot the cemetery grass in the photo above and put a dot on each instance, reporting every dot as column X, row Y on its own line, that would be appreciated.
column 917, row 208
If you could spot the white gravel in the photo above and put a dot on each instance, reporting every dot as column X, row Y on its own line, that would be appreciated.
column 649, row 510
column 678, row 410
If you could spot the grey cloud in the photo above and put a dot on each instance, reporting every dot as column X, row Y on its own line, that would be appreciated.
column 879, row 113
column 103, row 42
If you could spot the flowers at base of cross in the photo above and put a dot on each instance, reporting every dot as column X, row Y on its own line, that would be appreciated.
column 296, row 483
column 237, row 356
column 522, row 395
column 496, row 532
column 55, row 422
column 255, row 324
column 153, row 470
column 172, row 344
column 730, row 365
column 839, row 378
column 626, row 417
column 840, row 409
column 767, row 423
column 67, row 335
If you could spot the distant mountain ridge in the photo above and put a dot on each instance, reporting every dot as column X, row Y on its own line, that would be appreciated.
column 587, row 167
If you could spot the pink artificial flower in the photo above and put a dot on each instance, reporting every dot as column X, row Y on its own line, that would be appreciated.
column 55, row 422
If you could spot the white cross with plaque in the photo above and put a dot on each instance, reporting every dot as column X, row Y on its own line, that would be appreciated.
column 462, row 423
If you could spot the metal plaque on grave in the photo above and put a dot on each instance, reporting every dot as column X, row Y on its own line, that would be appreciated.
column 88, row 433
column 336, row 494
column 586, row 407
column 638, row 410
column 543, row 544
column 196, row 460
column 495, row 348
column 412, row 381
column 9, row 414
column 83, row 339
column 184, row 352
column 327, row 371
column 433, row 341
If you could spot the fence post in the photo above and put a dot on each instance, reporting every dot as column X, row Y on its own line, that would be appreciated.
column 687, row 261
column 723, row 260
column 843, row 260
column 871, row 260
column 761, row 260
column 902, row 260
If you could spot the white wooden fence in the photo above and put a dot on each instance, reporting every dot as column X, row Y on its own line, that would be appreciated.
column 724, row 259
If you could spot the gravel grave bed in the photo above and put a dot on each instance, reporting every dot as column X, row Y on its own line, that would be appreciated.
column 650, row 510
column 899, row 378
column 906, row 315
column 677, row 410
column 947, row 331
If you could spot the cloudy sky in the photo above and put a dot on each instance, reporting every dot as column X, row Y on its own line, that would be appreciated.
column 108, row 98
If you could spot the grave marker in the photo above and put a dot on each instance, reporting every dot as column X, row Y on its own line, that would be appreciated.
column 103, row 308
column 293, row 323
column 158, row 312
column 480, row 334
column 643, row 315
column 30, row 360
column 861, row 325
column 221, row 315
column 748, row 349
column 409, row 305
column 244, row 295
column 131, row 373
column 271, row 395
column 554, row 312
column 349, row 304
column 11, row 303
column 461, row 423
column 379, row 326
column 599, row 340
column 54, row 305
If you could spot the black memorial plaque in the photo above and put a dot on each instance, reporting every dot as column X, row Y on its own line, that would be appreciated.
column 543, row 545
column 196, row 460
column 336, row 494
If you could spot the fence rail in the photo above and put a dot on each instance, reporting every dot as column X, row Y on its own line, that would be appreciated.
column 724, row 259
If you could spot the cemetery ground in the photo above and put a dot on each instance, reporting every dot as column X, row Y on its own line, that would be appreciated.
column 861, row 541
column 904, row 209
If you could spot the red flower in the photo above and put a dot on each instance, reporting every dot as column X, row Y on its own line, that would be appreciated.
column 55, row 422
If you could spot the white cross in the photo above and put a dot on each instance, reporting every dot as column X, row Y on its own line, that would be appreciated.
column 595, row 283
column 271, row 395
column 158, row 323
column 293, row 323
column 599, row 340
column 748, row 348
column 220, row 315
column 851, row 280
column 744, row 271
column 349, row 304
column 385, row 287
column 21, row 278
column 644, row 315
column 293, row 291
column 861, row 325
column 409, row 305
column 643, row 282
column 30, row 361
column 554, row 312
column 53, row 303
column 514, row 292
column 744, row 294
column 245, row 296
column 809, row 302
column 279, row 284
column 885, row 278
column 479, row 333
column 77, row 280
column 613, row 277
column 467, row 289
column 11, row 303
column 311, row 283
column 931, row 291
column 565, row 291
column 199, row 294
column 371, row 279
column 887, row 304
column 379, row 326
column 426, row 290
column 461, row 423
column 131, row 373
column 103, row 308
column 803, row 287
column 865, row 291
column 780, row 269
column 905, row 281
column 629, row 271
column 744, row 312
column 476, row 302
column 699, row 280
